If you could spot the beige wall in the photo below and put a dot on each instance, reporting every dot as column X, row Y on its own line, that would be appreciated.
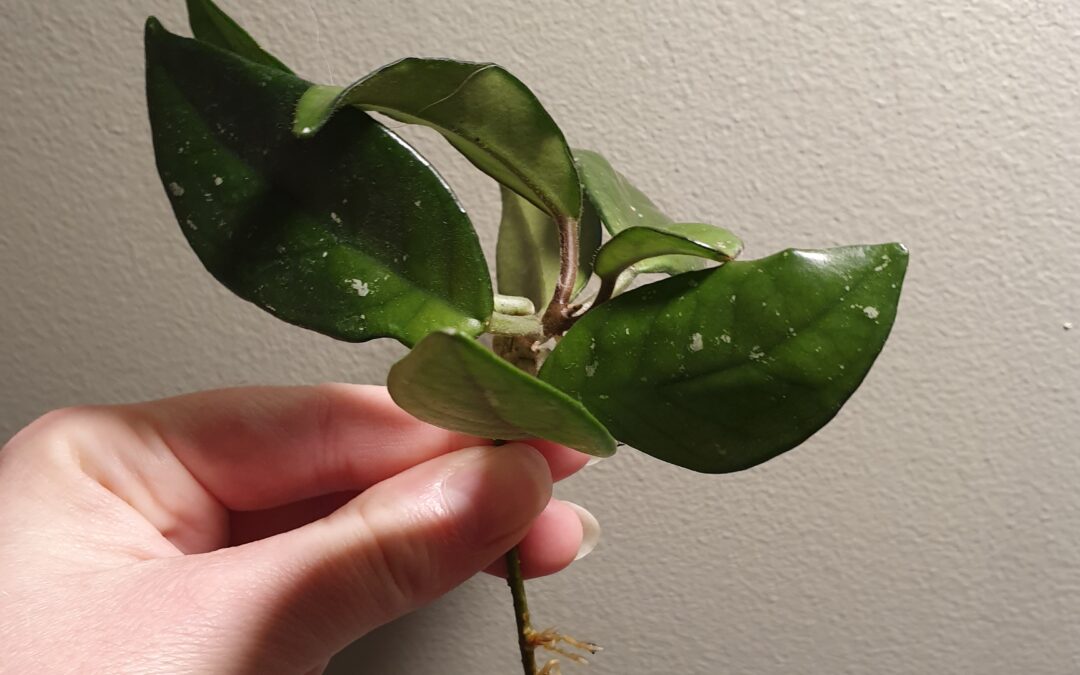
column 934, row 527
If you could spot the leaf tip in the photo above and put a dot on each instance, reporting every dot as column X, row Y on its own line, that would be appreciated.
column 153, row 27
column 898, row 252
column 304, row 128
column 314, row 109
column 610, row 445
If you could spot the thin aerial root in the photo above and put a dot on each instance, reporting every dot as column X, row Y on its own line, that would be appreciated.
column 553, row 641
column 551, row 668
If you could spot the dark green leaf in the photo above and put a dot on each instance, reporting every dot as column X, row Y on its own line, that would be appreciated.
column 350, row 234
column 639, row 243
column 210, row 24
column 453, row 382
column 484, row 111
column 722, row 369
column 527, row 257
column 621, row 206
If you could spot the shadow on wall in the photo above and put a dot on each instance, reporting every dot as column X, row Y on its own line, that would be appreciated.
column 473, row 624
column 392, row 648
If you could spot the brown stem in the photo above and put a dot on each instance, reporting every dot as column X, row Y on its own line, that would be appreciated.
column 607, row 288
column 516, row 350
column 516, row 581
column 557, row 317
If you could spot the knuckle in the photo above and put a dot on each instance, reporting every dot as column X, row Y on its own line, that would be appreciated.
column 389, row 569
column 50, row 434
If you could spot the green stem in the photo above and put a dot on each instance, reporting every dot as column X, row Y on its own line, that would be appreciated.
column 514, row 305
column 508, row 324
column 516, row 581
column 514, row 577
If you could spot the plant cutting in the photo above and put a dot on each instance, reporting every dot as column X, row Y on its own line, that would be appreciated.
column 300, row 202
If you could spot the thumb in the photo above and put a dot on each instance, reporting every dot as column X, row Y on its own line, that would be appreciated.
column 399, row 545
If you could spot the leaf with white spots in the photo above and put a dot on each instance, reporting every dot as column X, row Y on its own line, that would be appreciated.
column 719, row 370
column 323, row 233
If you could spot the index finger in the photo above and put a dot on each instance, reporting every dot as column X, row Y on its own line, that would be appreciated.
column 260, row 447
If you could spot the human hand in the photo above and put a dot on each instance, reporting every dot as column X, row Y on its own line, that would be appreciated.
column 221, row 532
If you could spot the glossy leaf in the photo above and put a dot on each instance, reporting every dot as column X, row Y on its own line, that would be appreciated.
column 721, row 369
column 452, row 381
column 211, row 25
column 622, row 206
column 482, row 110
column 635, row 244
column 527, row 255
column 351, row 234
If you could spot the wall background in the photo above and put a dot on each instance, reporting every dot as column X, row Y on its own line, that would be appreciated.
column 933, row 527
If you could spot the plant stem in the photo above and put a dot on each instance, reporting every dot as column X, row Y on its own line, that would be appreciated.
column 508, row 324
column 607, row 288
column 514, row 305
column 557, row 316
column 613, row 286
column 505, row 347
column 516, row 581
column 517, row 350
column 554, row 322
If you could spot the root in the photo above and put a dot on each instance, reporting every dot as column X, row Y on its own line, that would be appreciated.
column 557, row 643
column 551, row 668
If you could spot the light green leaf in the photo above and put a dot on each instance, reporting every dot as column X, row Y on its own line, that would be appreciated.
column 211, row 25
column 622, row 206
column 452, row 381
column 722, row 369
column 351, row 234
column 634, row 244
column 493, row 119
column 527, row 255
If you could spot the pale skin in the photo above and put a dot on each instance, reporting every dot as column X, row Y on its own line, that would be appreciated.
column 256, row 530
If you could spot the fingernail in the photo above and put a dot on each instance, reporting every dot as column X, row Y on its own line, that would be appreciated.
column 590, row 530
column 594, row 460
column 497, row 491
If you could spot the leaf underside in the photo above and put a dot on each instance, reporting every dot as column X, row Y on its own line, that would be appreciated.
column 485, row 112
column 635, row 244
column 622, row 205
column 351, row 234
column 722, row 369
column 452, row 381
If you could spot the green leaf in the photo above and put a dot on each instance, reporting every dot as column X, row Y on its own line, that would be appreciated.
column 210, row 24
column 622, row 206
column 635, row 244
column 527, row 255
column 452, row 381
column 482, row 110
column 722, row 369
column 351, row 234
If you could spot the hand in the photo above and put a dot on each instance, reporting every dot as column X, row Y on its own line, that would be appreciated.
column 253, row 530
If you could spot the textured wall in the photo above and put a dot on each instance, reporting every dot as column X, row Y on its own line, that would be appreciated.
column 933, row 527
